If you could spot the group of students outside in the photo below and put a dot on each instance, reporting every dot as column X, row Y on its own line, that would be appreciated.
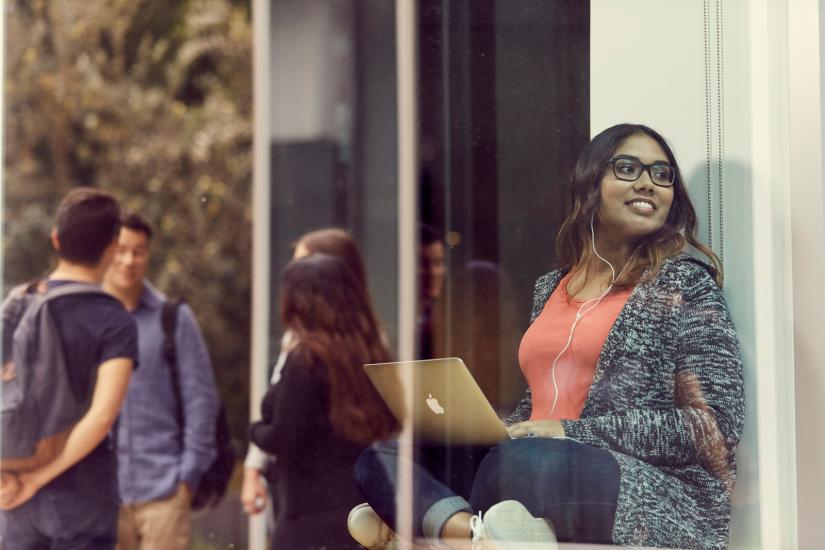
column 132, row 463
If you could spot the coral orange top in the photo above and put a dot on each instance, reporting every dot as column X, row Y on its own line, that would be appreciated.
column 548, row 335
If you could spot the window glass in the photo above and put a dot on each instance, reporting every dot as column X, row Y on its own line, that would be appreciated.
column 333, row 136
column 504, row 114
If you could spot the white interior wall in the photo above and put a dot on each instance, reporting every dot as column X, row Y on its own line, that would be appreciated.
column 650, row 35
column 808, row 203
column 769, row 166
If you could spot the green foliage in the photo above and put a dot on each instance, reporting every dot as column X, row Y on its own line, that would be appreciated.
column 150, row 100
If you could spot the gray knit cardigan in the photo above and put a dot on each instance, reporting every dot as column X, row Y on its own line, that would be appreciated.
column 667, row 400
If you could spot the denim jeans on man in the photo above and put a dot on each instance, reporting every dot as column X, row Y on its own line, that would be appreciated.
column 573, row 485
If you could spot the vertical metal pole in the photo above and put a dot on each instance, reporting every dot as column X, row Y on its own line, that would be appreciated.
column 407, row 59
column 259, row 356
column 407, row 176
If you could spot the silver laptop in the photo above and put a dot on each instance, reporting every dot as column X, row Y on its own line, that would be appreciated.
column 441, row 400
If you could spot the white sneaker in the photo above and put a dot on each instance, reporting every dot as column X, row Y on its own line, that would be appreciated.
column 509, row 526
column 369, row 530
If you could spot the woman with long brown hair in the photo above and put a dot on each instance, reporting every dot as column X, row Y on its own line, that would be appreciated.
column 323, row 411
column 635, row 404
column 340, row 244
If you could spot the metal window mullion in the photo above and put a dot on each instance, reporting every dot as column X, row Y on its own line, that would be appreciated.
column 406, row 62
column 261, row 215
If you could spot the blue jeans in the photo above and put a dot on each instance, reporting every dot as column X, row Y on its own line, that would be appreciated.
column 60, row 520
column 573, row 485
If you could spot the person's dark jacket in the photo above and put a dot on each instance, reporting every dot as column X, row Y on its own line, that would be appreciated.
column 313, row 486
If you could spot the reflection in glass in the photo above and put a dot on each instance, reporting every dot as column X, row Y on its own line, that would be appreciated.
column 503, row 91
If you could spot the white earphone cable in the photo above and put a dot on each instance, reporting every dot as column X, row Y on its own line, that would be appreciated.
column 582, row 312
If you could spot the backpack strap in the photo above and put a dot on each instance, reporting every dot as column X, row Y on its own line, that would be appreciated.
column 169, row 324
column 15, row 305
column 35, row 286
column 26, row 295
column 39, row 287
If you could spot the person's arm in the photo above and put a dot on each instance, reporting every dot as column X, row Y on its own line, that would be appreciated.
column 253, row 491
column 110, row 389
column 253, row 487
column 707, row 419
column 199, row 398
column 256, row 459
column 290, row 409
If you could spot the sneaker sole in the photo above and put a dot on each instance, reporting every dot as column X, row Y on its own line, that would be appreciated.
column 511, row 527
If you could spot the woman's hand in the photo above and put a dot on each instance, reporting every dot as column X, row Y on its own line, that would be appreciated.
column 253, row 492
column 16, row 489
column 536, row 428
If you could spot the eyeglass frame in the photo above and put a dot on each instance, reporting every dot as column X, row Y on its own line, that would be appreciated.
column 645, row 168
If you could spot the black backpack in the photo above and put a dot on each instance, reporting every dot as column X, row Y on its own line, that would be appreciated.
column 41, row 401
column 213, row 484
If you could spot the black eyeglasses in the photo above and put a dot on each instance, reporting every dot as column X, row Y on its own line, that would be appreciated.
column 631, row 168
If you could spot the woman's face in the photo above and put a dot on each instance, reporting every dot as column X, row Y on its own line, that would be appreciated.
column 630, row 210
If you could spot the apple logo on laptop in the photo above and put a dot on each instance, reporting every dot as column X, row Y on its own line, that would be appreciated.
column 434, row 405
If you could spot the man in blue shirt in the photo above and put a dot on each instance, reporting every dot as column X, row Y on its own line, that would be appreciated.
column 160, row 461
column 72, row 502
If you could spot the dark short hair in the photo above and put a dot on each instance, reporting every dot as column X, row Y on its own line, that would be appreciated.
column 87, row 221
column 136, row 222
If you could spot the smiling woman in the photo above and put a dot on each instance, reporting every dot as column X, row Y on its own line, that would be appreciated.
column 632, row 203
column 635, row 403
column 634, row 221
column 632, row 350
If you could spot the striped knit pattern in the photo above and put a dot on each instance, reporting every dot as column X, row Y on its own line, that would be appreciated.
column 667, row 400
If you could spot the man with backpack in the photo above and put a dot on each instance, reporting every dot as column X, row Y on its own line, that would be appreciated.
column 166, row 431
column 71, row 499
